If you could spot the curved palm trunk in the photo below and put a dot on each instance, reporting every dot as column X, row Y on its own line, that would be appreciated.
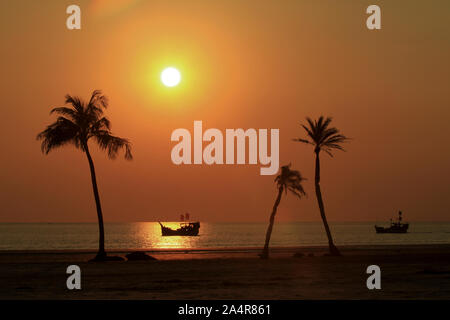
column 101, row 241
column 333, row 250
column 265, row 252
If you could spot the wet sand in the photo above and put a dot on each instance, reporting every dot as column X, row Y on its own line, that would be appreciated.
column 407, row 272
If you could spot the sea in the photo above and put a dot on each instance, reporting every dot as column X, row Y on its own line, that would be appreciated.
column 147, row 235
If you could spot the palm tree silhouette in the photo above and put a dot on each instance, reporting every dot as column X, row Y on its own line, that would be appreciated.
column 76, row 125
column 287, row 180
column 322, row 137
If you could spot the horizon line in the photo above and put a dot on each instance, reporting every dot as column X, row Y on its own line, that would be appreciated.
column 167, row 221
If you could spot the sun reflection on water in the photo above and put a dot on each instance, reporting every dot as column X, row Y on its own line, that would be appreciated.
column 151, row 232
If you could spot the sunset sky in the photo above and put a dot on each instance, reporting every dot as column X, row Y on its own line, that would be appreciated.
column 244, row 64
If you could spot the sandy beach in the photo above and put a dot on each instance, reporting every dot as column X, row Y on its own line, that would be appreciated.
column 407, row 272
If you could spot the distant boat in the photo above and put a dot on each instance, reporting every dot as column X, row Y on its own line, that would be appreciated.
column 396, row 226
column 186, row 229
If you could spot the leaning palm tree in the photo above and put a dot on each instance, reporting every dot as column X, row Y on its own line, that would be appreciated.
column 323, row 137
column 77, row 125
column 287, row 180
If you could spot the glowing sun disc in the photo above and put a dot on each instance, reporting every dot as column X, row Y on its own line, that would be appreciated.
column 170, row 77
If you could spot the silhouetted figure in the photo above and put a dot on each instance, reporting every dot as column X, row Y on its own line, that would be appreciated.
column 77, row 125
column 322, row 137
column 287, row 180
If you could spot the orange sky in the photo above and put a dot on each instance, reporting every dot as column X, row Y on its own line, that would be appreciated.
column 245, row 64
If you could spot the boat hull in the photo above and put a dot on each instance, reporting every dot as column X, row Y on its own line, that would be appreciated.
column 393, row 229
column 190, row 231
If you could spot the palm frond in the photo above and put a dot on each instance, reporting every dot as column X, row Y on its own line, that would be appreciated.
column 322, row 136
column 58, row 134
column 326, row 123
column 327, row 133
column 328, row 151
column 331, row 146
column 302, row 140
column 310, row 133
column 96, row 104
column 291, row 180
column 311, row 123
column 100, row 125
column 339, row 138
column 84, row 121
column 65, row 111
column 76, row 102
column 98, row 99
column 298, row 191
column 113, row 144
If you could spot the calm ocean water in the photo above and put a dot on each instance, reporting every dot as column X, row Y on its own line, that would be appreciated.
column 147, row 235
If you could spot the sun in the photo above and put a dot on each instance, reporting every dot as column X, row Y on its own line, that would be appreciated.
column 170, row 77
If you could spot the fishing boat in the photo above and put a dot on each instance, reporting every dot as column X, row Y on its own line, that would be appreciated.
column 186, row 228
column 396, row 226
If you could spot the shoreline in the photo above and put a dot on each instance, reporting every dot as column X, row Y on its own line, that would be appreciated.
column 229, row 249
column 407, row 272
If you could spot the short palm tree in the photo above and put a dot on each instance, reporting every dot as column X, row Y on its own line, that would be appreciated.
column 323, row 137
column 287, row 180
column 77, row 125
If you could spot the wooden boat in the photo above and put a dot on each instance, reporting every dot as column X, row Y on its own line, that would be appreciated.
column 396, row 226
column 186, row 229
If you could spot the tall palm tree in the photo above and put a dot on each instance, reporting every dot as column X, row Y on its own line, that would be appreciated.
column 287, row 180
column 323, row 137
column 76, row 125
